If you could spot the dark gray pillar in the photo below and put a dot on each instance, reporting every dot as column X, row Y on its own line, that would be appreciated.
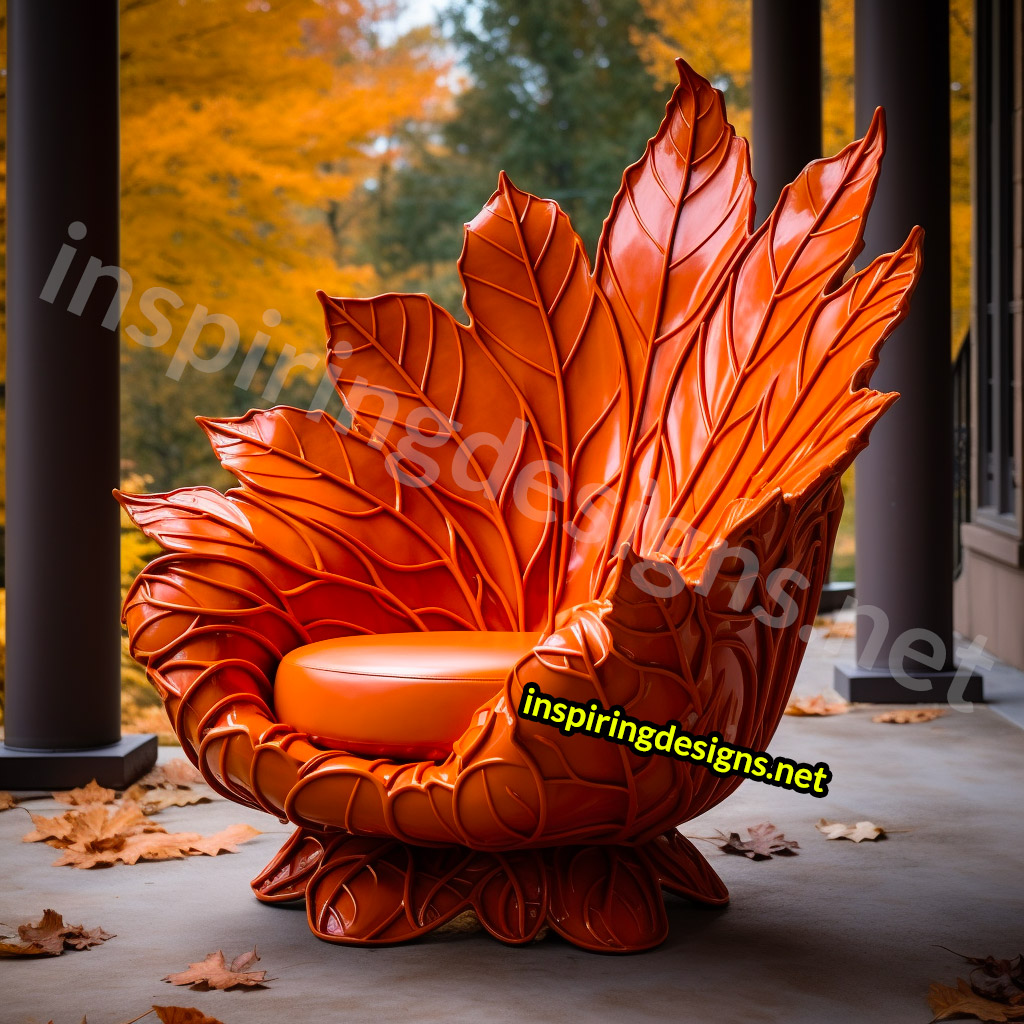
column 785, row 94
column 62, row 703
column 905, row 477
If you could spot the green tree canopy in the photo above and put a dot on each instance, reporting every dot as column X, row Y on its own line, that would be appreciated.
column 556, row 93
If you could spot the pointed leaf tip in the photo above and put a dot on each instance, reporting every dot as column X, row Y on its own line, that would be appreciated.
column 877, row 125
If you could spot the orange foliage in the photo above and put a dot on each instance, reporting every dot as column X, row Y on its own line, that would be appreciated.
column 249, row 127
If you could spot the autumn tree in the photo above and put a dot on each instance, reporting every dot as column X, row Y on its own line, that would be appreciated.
column 249, row 128
column 246, row 125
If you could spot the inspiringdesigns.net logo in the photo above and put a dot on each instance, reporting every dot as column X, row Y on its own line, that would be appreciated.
column 669, row 740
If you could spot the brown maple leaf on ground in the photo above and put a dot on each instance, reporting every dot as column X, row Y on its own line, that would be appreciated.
column 130, row 850
column 98, row 837
column 1002, row 980
column 182, row 1015
column 51, row 937
column 160, row 846
column 842, row 630
column 176, row 773
column 168, row 785
column 84, row 796
column 94, row 828
column 906, row 716
column 226, row 840
column 152, row 801
column 947, row 1002
column 214, row 972
column 765, row 842
column 817, row 705
column 858, row 833
column 7, row 801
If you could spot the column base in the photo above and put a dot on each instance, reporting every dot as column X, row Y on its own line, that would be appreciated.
column 834, row 596
column 116, row 766
column 880, row 686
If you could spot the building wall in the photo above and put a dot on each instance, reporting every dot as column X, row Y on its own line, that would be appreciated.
column 989, row 595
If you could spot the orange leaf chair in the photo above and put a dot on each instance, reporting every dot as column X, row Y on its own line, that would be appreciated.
column 621, row 485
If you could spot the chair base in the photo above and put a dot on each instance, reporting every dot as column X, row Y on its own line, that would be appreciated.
column 363, row 891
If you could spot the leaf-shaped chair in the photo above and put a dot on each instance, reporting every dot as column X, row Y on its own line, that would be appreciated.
column 611, row 484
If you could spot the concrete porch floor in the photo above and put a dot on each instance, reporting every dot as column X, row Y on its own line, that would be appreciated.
column 840, row 933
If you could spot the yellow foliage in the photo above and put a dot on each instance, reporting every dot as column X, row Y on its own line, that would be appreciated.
column 713, row 37
column 248, row 129
column 837, row 123
column 136, row 550
column 3, row 647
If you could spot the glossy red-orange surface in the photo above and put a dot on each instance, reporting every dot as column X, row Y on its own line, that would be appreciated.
column 406, row 696
column 704, row 385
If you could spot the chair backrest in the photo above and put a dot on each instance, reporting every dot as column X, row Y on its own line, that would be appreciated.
column 658, row 401
column 752, row 363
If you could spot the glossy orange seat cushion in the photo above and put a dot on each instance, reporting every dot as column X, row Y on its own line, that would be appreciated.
column 407, row 696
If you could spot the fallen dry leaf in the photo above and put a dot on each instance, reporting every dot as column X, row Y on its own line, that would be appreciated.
column 765, row 841
column 904, row 716
column 81, row 938
column 225, row 841
column 1002, row 980
column 866, row 830
column 178, row 772
column 51, row 936
column 129, row 850
column 213, row 972
column 466, row 923
column 817, row 705
column 858, row 833
column 84, row 796
column 832, row 829
column 7, row 801
column 9, row 948
column 168, row 785
column 98, row 837
column 947, row 1002
column 183, row 1015
column 844, row 630
column 156, row 846
column 93, row 828
column 152, row 801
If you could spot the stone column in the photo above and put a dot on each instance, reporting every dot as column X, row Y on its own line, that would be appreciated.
column 904, row 479
column 62, row 703
column 785, row 92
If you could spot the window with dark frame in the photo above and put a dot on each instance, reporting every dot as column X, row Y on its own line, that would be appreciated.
column 997, row 448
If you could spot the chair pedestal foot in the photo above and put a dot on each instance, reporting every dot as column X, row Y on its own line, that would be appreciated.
column 285, row 878
column 367, row 892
